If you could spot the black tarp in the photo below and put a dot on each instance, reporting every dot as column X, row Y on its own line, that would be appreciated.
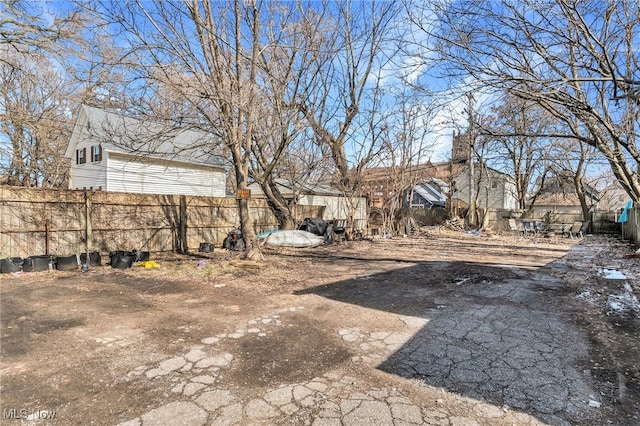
column 315, row 225
column 234, row 240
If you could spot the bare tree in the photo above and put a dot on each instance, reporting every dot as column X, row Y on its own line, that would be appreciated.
column 514, row 135
column 36, row 92
column 509, row 136
column 282, row 149
column 572, row 161
column 101, row 77
column 298, row 163
column 341, row 81
column 208, row 53
column 578, row 60
column 25, row 27
column 406, row 147
column 33, row 105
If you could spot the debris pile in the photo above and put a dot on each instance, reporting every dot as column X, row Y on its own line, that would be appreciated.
column 455, row 224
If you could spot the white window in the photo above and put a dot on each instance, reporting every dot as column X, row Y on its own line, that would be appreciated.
column 81, row 156
column 96, row 153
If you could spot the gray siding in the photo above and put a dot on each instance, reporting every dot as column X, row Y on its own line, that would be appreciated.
column 500, row 190
column 338, row 208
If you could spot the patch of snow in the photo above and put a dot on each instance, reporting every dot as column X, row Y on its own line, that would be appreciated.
column 625, row 304
column 462, row 280
column 587, row 297
column 612, row 274
column 594, row 404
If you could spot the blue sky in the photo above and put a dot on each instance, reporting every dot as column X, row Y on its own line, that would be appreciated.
column 450, row 115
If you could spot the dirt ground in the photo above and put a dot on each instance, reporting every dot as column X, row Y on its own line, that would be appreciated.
column 96, row 347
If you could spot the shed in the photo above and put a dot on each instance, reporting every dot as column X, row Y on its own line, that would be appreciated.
column 118, row 153
column 337, row 204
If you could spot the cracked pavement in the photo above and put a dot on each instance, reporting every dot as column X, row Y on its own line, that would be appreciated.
column 491, row 344
column 334, row 398
column 501, row 343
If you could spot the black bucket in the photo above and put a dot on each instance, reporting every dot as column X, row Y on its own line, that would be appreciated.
column 206, row 248
column 36, row 263
column 67, row 263
column 27, row 265
column 121, row 259
column 142, row 256
column 11, row 265
column 94, row 258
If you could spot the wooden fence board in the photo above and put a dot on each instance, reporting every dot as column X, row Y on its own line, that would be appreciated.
column 631, row 228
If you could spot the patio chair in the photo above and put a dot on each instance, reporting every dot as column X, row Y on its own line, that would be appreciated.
column 575, row 229
column 583, row 228
column 528, row 228
column 540, row 227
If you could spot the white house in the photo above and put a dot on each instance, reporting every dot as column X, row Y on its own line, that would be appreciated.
column 494, row 189
column 117, row 153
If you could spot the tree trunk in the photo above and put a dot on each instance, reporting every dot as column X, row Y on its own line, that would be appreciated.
column 279, row 206
column 579, row 185
column 252, row 250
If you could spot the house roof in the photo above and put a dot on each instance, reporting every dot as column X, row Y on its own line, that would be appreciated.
column 286, row 188
column 126, row 135
column 558, row 199
column 442, row 185
column 431, row 191
column 427, row 171
column 560, row 191
column 563, row 184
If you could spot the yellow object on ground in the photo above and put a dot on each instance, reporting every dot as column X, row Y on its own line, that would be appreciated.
column 148, row 264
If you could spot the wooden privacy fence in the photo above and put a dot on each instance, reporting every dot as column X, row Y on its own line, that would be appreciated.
column 35, row 221
column 631, row 228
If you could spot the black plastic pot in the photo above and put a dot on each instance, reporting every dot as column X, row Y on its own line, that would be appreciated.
column 67, row 263
column 142, row 256
column 27, row 265
column 36, row 263
column 94, row 258
column 122, row 259
column 205, row 248
column 11, row 265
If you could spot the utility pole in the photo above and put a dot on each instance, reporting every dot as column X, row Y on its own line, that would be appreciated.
column 472, row 213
